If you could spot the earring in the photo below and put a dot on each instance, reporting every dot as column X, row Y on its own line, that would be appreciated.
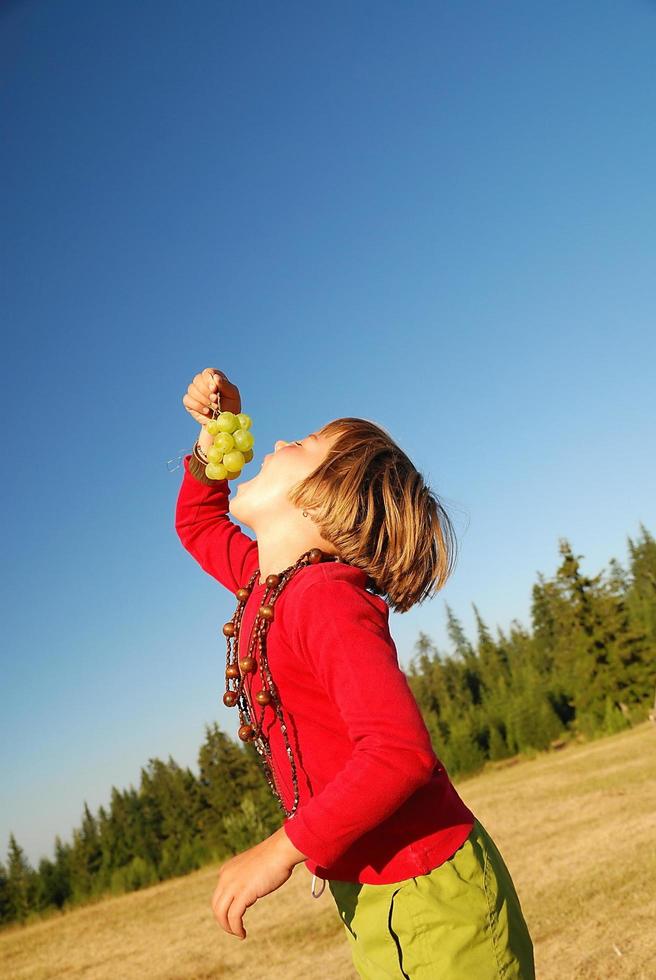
column 305, row 513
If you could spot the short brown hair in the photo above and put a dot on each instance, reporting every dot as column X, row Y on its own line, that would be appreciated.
column 373, row 505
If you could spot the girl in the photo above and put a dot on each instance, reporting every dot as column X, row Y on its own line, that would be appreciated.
column 344, row 528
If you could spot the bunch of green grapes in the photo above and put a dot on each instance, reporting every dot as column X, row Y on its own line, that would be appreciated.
column 232, row 447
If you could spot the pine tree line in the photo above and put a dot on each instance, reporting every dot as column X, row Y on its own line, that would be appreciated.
column 173, row 823
column 586, row 668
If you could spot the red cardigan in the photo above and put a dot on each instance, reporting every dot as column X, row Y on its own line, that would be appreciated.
column 376, row 804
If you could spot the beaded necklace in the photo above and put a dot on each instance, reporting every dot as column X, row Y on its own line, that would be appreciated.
column 237, row 670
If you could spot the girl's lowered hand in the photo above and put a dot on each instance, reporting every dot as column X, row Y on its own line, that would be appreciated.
column 201, row 396
column 251, row 875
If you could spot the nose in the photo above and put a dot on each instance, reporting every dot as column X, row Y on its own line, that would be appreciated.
column 278, row 442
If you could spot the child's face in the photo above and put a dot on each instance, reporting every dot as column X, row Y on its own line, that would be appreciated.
column 265, row 495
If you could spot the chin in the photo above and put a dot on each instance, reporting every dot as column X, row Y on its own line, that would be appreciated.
column 234, row 507
column 236, row 512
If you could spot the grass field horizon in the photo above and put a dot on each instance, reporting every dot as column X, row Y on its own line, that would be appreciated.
column 575, row 825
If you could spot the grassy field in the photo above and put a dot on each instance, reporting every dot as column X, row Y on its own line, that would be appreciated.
column 577, row 828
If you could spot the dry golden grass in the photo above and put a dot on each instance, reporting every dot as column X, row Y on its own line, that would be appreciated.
column 577, row 828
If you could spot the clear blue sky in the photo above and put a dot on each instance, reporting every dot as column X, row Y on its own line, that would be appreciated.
column 438, row 216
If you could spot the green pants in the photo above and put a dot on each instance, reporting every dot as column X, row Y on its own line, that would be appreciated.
column 461, row 921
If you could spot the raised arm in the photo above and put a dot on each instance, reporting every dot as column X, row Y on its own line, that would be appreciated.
column 205, row 529
column 339, row 628
column 201, row 516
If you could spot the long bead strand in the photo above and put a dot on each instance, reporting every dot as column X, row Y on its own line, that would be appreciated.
column 239, row 670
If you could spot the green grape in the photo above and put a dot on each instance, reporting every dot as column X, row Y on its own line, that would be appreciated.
column 243, row 439
column 232, row 445
column 216, row 471
column 233, row 460
column 224, row 442
column 227, row 422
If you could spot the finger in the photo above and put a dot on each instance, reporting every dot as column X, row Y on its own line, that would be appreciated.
column 219, row 381
column 221, row 911
column 201, row 386
column 212, row 382
column 213, row 378
column 219, row 898
column 215, row 903
column 193, row 405
column 212, row 395
column 202, row 394
column 221, row 387
column 200, row 398
column 235, row 917
column 217, row 388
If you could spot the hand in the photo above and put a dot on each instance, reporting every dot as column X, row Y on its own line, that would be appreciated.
column 251, row 875
column 202, row 395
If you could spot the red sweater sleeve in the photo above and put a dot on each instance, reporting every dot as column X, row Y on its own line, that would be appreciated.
column 201, row 520
column 344, row 636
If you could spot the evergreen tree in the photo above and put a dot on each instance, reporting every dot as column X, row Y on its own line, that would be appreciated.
column 6, row 905
column 492, row 657
column 641, row 602
column 117, row 832
column 531, row 720
column 424, row 676
column 245, row 826
column 44, row 897
column 462, row 754
column 64, row 889
column 20, row 881
column 548, row 612
column 85, row 858
column 228, row 773
column 170, row 807
column 581, row 654
column 630, row 671
column 641, row 591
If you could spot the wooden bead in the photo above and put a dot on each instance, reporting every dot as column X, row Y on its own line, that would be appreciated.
column 230, row 698
column 273, row 580
column 229, row 629
column 247, row 664
column 232, row 671
column 242, row 594
column 263, row 697
column 246, row 732
column 265, row 612
column 315, row 556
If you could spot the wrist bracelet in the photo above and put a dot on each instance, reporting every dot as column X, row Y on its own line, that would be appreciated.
column 199, row 454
